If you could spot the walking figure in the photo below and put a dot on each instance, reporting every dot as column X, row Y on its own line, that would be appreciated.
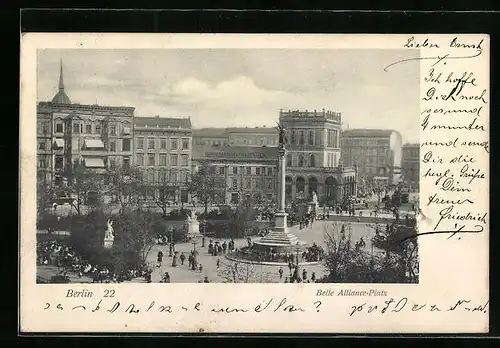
column 159, row 258
column 218, row 263
column 280, row 271
column 182, row 257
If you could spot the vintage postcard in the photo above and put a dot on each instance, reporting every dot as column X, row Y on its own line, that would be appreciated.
column 254, row 183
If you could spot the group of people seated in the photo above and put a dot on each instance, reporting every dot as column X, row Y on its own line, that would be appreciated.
column 63, row 256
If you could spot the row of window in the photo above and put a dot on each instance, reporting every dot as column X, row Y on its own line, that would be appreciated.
column 205, row 142
column 162, row 142
column 162, row 160
column 300, row 160
column 298, row 137
column 363, row 151
column 411, row 153
column 96, row 127
column 221, row 170
column 251, row 183
column 59, row 162
column 253, row 141
column 45, row 145
column 172, row 176
column 364, row 142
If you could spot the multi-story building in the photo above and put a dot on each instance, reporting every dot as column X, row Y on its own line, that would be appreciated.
column 163, row 151
column 246, row 171
column 210, row 137
column 72, row 134
column 313, row 157
column 411, row 164
column 376, row 152
column 253, row 136
column 236, row 136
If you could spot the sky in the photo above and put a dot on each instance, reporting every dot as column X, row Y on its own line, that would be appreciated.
column 241, row 87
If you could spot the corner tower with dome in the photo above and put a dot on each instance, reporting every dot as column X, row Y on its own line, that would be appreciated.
column 71, row 134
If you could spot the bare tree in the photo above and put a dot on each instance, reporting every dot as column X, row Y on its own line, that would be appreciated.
column 137, row 232
column 206, row 186
column 126, row 186
column 84, row 183
column 235, row 272
column 166, row 194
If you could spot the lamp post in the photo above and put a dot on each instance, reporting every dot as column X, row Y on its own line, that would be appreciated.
column 204, row 222
column 194, row 244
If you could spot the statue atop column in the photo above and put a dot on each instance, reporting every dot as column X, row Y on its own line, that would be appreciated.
column 282, row 136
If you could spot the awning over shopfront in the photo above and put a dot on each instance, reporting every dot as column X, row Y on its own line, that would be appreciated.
column 58, row 143
column 94, row 144
column 94, row 163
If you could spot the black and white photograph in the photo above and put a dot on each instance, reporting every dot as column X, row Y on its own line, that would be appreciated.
column 226, row 166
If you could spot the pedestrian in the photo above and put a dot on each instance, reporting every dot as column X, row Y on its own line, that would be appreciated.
column 206, row 280
column 201, row 268
column 218, row 263
column 159, row 257
column 304, row 274
column 313, row 277
column 286, row 279
column 280, row 271
column 182, row 258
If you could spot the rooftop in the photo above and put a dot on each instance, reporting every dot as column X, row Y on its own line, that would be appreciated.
column 162, row 122
column 259, row 130
column 210, row 132
column 367, row 133
column 328, row 114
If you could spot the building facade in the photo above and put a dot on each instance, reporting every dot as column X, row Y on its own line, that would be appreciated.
column 313, row 157
column 411, row 164
column 376, row 152
column 236, row 136
column 253, row 136
column 210, row 137
column 163, row 152
column 247, row 172
column 93, row 136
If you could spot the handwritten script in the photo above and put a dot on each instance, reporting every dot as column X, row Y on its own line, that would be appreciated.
column 454, row 147
column 269, row 305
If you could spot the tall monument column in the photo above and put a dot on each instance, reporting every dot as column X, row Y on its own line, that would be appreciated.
column 280, row 215
column 279, row 237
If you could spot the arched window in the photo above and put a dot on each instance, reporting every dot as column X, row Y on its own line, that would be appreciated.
column 302, row 137
column 301, row 161
column 312, row 161
column 292, row 138
column 311, row 138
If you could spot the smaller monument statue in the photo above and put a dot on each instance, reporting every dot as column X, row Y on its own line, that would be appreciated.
column 193, row 226
column 315, row 203
column 108, row 235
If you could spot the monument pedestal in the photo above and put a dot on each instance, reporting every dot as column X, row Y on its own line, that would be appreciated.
column 193, row 229
column 108, row 243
